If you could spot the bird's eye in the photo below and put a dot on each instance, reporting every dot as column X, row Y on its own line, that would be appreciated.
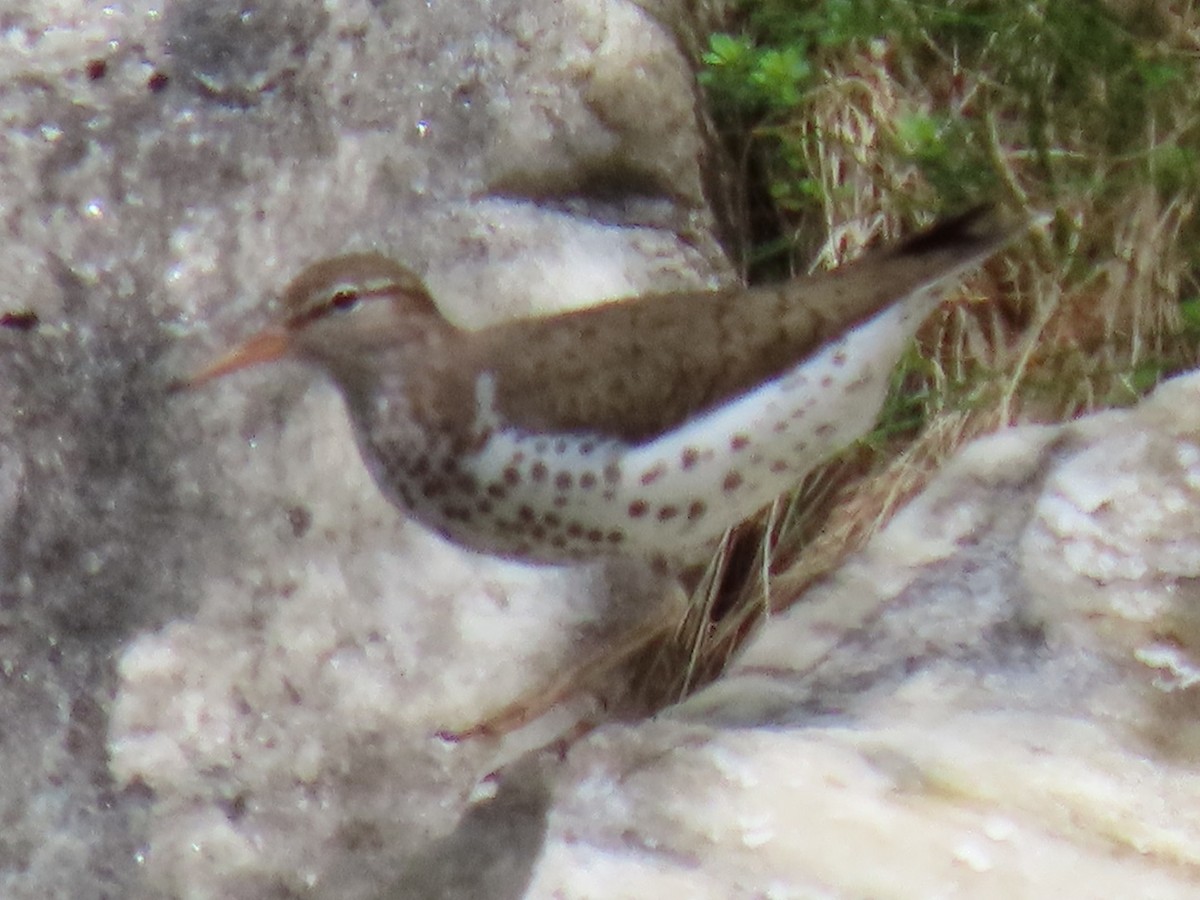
column 344, row 298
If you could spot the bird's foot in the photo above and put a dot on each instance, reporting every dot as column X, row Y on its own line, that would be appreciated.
column 577, row 680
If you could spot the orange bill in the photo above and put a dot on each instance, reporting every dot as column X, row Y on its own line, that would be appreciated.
column 263, row 347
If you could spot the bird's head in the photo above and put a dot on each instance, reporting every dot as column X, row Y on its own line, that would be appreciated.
column 340, row 313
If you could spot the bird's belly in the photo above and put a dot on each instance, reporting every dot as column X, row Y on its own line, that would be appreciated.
column 553, row 498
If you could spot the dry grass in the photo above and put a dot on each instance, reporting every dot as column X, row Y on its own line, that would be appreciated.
column 1080, row 316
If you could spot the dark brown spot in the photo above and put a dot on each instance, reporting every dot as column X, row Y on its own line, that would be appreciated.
column 538, row 533
column 587, row 480
column 456, row 513
column 420, row 467
column 481, row 438
column 300, row 519
column 496, row 491
column 23, row 320
column 433, row 489
column 732, row 481
column 595, row 535
column 779, row 465
column 96, row 69
column 449, row 465
column 689, row 457
column 563, row 481
column 574, row 529
column 739, row 442
column 637, row 509
column 667, row 513
column 652, row 475
column 485, row 507
column 467, row 484
column 157, row 82
column 526, row 514
column 586, row 448
column 824, row 429
column 696, row 510
column 616, row 537
column 539, row 472
column 558, row 541
column 552, row 520
column 512, row 477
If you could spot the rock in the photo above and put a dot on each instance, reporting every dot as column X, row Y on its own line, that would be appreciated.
column 994, row 699
column 225, row 658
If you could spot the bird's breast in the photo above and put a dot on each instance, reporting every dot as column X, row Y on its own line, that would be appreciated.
column 554, row 497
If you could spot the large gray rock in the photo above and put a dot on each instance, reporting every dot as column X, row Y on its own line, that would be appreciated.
column 224, row 657
column 997, row 698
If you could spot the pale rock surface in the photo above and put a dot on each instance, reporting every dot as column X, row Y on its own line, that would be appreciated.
column 996, row 699
column 223, row 658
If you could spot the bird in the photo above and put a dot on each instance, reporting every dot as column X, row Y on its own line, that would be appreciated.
column 646, row 425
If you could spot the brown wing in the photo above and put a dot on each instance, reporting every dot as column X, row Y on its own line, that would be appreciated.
column 634, row 368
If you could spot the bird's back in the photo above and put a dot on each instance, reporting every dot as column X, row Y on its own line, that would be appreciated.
column 633, row 369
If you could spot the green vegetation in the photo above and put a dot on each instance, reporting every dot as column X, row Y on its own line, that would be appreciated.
column 853, row 120
column 1082, row 98
column 853, row 109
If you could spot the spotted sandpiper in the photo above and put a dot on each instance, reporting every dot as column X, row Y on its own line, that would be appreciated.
column 646, row 425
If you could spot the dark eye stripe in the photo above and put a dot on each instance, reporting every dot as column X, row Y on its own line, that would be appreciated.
column 341, row 299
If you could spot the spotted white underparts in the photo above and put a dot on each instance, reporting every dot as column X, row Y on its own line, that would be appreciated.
column 560, row 497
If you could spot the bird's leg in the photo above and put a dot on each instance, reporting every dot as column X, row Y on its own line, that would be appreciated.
column 585, row 676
